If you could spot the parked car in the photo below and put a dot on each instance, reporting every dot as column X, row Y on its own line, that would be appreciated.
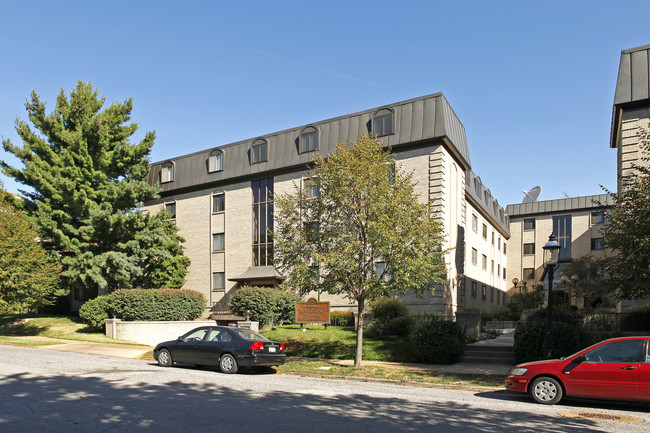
column 222, row 346
column 615, row 369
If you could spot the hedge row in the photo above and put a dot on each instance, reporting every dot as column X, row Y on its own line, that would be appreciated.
column 143, row 305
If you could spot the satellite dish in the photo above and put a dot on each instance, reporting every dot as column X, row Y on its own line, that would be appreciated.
column 532, row 195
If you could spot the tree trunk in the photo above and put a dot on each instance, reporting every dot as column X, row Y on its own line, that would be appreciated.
column 359, row 352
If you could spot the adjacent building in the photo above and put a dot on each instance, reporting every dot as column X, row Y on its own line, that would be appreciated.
column 221, row 200
column 630, row 112
column 577, row 224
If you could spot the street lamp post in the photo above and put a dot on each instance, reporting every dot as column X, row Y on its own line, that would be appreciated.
column 551, row 259
column 515, row 281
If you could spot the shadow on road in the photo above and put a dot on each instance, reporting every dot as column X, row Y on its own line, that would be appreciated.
column 91, row 403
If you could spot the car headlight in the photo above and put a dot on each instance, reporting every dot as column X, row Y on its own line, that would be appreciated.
column 517, row 371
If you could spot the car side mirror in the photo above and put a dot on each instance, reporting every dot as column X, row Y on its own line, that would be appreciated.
column 582, row 358
column 180, row 338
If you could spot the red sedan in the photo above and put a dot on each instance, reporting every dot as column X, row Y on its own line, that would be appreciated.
column 615, row 369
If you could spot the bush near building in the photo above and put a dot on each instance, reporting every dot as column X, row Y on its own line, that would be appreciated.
column 266, row 305
column 143, row 305
column 437, row 341
column 567, row 335
column 342, row 318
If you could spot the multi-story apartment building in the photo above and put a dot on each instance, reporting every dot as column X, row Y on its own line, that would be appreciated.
column 221, row 199
column 630, row 112
column 576, row 223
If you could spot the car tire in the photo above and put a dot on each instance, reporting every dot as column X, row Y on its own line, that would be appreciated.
column 228, row 364
column 546, row 390
column 165, row 358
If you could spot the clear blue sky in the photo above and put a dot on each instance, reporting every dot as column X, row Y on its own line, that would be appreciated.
column 532, row 82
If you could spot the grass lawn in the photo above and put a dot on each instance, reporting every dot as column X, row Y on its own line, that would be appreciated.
column 408, row 375
column 62, row 327
column 338, row 343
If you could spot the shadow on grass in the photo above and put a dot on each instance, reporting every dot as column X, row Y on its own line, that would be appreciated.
column 25, row 329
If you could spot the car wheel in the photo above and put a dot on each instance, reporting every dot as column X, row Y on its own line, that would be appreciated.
column 165, row 358
column 546, row 390
column 228, row 364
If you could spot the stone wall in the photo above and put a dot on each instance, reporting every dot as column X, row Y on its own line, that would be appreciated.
column 150, row 333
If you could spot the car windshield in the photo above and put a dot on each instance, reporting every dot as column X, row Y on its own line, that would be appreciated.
column 247, row 334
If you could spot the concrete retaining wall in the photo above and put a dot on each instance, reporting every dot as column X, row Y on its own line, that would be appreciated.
column 150, row 333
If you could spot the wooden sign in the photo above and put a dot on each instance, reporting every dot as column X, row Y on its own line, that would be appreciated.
column 313, row 311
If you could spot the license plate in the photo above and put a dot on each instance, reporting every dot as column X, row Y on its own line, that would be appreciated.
column 271, row 349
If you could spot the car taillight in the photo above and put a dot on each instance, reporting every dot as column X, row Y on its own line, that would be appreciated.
column 258, row 345
column 281, row 347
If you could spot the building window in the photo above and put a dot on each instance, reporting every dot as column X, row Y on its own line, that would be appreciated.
column 597, row 217
column 485, row 231
column 528, row 273
column 499, row 243
column 215, row 161
column 218, row 203
column 474, row 223
column 218, row 242
column 597, row 244
column 504, row 247
column 504, row 273
column 311, row 188
column 529, row 248
column 170, row 208
column 529, row 224
column 484, row 262
column 219, row 281
column 492, row 238
column 483, row 292
column 492, row 295
column 308, row 140
column 262, row 222
column 498, row 270
column 380, row 268
column 167, row 172
column 474, row 256
column 383, row 122
column 259, row 151
column 474, row 289
column 562, row 230
column 492, row 267
column 498, row 298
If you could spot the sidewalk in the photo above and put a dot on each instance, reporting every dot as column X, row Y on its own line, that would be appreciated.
column 106, row 349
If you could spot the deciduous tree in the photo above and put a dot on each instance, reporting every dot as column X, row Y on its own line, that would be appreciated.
column 627, row 232
column 28, row 275
column 356, row 228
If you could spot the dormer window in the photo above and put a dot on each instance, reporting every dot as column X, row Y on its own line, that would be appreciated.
column 383, row 122
column 167, row 172
column 259, row 151
column 215, row 161
column 308, row 140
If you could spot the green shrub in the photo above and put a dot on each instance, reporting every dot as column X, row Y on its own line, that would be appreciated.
column 400, row 326
column 383, row 311
column 266, row 305
column 636, row 319
column 342, row 318
column 95, row 311
column 436, row 341
column 143, row 305
column 567, row 336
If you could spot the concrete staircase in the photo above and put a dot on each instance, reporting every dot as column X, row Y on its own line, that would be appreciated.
column 495, row 351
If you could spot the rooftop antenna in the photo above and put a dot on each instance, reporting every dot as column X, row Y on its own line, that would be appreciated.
column 532, row 195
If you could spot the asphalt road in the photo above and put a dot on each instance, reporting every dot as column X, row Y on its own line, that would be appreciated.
column 49, row 391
